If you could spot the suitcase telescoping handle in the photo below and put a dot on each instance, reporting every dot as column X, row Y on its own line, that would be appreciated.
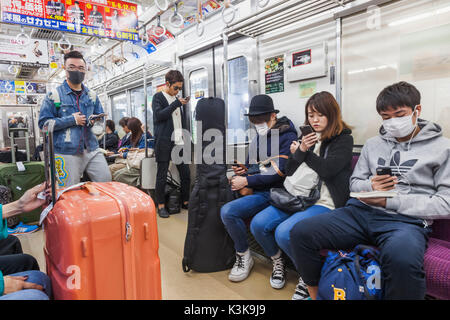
column 49, row 157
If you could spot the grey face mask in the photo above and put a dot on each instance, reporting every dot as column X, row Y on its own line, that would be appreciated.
column 76, row 77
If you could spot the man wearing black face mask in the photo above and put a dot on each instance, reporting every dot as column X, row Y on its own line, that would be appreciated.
column 71, row 105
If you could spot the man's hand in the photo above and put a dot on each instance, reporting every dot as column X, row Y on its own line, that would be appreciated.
column 80, row 118
column 384, row 182
column 308, row 141
column 14, row 284
column 237, row 183
column 5, row 149
column 29, row 200
column 184, row 100
column 377, row 202
column 238, row 170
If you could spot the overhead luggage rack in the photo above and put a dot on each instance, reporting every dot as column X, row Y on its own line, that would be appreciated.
column 282, row 14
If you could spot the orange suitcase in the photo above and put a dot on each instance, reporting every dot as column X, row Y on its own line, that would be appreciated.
column 101, row 242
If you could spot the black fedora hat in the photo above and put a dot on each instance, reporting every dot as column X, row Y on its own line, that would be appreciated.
column 261, row 104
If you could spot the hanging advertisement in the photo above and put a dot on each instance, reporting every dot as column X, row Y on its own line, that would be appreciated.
column 13, row 51
column 274, row 74
column 56, row 54
column 102, row 18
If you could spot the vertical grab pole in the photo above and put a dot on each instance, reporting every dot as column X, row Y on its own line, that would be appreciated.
column 145, row 106
column 225, row 89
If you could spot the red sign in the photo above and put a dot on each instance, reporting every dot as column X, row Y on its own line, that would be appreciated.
column 95, row 17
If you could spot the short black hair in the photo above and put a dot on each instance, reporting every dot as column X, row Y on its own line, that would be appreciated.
column 110, row 124
column 398, row 95
column 73, row 54
column 260, row 118
column 123, row 122
column 174, row 76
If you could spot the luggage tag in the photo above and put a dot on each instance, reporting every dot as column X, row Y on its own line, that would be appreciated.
column 20, row 166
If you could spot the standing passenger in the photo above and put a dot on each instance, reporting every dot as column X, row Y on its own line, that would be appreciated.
column 71, row 105
column 168, row 120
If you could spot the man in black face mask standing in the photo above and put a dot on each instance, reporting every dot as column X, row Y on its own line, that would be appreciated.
column 71, row 105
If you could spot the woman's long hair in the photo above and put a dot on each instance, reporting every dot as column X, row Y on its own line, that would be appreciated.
column 134, row 124
column 324, row 103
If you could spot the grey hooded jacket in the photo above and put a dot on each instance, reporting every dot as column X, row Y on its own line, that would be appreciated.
column 422, row 166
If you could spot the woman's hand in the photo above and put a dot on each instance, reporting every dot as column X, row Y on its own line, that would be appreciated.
column 294, row 146
column 30, row 201
column 308, row 141
column 16, row 283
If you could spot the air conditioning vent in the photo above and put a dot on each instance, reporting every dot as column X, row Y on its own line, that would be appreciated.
column 26, row 72
column 45, row 34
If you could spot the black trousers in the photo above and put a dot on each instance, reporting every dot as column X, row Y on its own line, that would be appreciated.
column 161, row 178
column 12, row 260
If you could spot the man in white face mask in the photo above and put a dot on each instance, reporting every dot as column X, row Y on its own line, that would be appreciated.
column 262, row 171
column 417, row 155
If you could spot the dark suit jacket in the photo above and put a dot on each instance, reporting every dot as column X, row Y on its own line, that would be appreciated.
column 163, row 125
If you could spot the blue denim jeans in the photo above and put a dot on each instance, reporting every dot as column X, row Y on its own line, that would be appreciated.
column 271, row 227
column 36, row 277
column 235, row 212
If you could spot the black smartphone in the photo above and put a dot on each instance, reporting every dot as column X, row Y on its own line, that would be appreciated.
column 237, row 164
column 306, row 130
column 382, row 171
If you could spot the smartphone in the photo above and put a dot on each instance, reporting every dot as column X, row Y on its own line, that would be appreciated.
column 187, row 98
column 97, row 116
column 381, row 171
column 237, row 164
column 306, row 130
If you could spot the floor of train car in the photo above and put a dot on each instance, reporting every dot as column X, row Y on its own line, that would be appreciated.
column 177, row 285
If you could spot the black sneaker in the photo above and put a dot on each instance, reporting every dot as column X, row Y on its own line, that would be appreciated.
column 278, row 277
column 301, row 291
column 163, row 213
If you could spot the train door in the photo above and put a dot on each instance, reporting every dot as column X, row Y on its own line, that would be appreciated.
column 18, row 117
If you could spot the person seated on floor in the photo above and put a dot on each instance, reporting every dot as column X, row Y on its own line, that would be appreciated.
column 111, row 137
column 264, row 116
column 419, row 157
column 129, row 174
column 322, row 160
column 20, row 278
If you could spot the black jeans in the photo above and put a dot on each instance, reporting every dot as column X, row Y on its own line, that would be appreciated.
column 402, row 241
column 12, row 260
column 10, row 245
column 161, row 178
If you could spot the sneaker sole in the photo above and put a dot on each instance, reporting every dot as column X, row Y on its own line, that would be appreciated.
column 19, row 233
column 242, row 277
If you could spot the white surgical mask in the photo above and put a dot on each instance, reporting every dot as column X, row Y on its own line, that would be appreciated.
column 262, row 128
column 400, row 127
column 97, row 129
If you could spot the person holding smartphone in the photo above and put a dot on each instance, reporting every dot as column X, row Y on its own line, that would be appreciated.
column 168, row 123
column 324, row 154
column 419, row 157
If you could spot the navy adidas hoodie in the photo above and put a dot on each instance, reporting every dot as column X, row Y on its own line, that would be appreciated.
column 269, row 177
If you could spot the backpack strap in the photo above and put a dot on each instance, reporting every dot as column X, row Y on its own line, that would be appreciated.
column 54, row 96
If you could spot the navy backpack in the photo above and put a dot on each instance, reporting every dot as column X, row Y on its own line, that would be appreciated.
column 354, row 275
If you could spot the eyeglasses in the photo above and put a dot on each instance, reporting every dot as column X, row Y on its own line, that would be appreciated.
column 177, row 88
column 74, row 68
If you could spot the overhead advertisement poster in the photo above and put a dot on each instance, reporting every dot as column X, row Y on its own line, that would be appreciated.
column 33, row 53
column 103, row 18
column 274, row 74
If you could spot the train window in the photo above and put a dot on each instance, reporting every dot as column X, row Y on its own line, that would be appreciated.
column 393, row 43
column 119, row 107
column 238, row 100
column 198, row 85
column 137, row 105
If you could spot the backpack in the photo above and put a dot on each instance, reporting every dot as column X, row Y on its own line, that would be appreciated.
column 172, row 195
column 354, row 275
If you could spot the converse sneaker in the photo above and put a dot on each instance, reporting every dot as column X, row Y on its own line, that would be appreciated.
column 278, row 277
column 301, row 291
column 242, row 267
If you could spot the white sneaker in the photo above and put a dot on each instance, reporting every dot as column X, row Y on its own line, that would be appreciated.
column 301, row 291
column 278, row 277
column 242, row 267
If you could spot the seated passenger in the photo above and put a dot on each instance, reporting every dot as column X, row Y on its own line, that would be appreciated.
column 419, row 157
column 125, row 139
column 308, row 164
column 111, row 137
column 131, row 175
column 20, row 271
column 263, row 115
